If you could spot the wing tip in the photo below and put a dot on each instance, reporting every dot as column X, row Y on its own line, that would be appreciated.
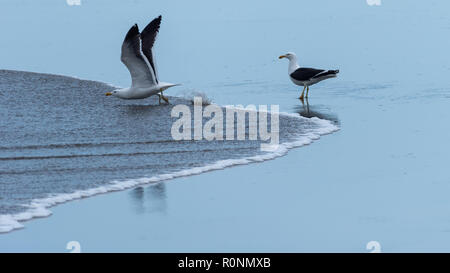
column 134, row 30
column 157, row 20
column 153, row 25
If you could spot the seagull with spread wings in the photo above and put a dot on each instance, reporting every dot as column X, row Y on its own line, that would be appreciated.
column 138, row 58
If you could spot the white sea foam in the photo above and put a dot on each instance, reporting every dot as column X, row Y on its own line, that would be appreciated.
column 40, row 207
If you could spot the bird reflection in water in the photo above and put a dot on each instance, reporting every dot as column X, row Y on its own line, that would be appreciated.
column 150, row 199
column 305, row 110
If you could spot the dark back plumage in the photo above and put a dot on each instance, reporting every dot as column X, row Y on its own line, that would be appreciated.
column 305, row 74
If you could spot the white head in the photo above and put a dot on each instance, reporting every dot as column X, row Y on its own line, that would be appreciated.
column 293, row 64
column 115, row 93
column 290, row 56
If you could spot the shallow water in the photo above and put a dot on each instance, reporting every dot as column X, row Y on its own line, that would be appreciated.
column 60, row 135
column 383, row 176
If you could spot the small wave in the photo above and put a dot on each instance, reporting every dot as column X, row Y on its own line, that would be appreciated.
column 112, row 154
column 82, row 145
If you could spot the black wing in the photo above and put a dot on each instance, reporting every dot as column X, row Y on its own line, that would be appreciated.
column 135, row 61
column 148, row 36
column 305, row 74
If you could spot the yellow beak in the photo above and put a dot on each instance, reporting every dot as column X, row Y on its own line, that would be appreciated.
column 282, row 56
column 108, row 94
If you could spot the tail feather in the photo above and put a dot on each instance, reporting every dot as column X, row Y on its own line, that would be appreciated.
column 329, row 73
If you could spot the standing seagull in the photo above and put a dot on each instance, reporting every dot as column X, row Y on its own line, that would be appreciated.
column 306, row 76
column 138, row 58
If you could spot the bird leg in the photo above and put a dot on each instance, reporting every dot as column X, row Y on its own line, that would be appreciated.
column 301, row 96
column 161, row 96
column 307, row 91
column 307, row 106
